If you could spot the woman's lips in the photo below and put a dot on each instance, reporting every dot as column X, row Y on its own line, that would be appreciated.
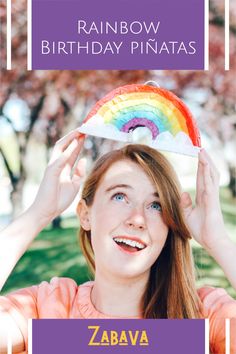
column 129, row 244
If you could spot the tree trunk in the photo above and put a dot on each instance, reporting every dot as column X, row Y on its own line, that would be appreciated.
column 232, row 180
column 16, row 196
column 56, row 223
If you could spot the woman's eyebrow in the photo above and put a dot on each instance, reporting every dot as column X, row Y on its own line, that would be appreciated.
column 122, row 185
column 117, row 186
column 155, row 194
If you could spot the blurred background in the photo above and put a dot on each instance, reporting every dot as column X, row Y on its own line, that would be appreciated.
column 38, row 107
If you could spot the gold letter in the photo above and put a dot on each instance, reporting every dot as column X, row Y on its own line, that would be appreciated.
column 133, row 339
column 114, row 338
column 123, row 338
column 105, row 339
column 96, row 329
column 144, row 338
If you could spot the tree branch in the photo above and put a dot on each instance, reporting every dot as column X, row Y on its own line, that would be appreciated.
column 14, row 179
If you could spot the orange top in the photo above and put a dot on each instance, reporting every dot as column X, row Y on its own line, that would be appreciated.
column 63, row 298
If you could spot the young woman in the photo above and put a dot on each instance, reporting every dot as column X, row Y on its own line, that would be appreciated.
column 135, row 231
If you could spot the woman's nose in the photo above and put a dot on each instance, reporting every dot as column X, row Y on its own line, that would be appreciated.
column 136, row 220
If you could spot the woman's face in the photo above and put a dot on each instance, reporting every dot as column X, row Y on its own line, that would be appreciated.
column 125, row 219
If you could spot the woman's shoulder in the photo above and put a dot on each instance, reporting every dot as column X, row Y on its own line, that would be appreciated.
column 57, row 290
column 67, row 284
column 214, row 299
column 64, row 288
column 73, row 301
column 57, row 298
column 209, row 292
column 58, row 282
column 218, row 306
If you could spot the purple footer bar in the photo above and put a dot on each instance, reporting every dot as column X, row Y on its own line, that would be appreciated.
column 118, row 336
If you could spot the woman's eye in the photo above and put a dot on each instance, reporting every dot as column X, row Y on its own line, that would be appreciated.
column 118, row 197
column 156, row 206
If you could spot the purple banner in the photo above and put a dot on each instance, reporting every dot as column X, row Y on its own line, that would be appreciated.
column 104, row 34
column 118, row 336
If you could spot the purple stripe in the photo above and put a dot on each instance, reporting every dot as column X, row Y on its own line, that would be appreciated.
column 140, row 122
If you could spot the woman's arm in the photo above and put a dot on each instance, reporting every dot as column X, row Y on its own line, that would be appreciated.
column 224, row 252
column 205, row 219
column 58, row 189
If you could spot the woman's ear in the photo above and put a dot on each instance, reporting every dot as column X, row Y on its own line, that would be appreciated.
column 83, row 214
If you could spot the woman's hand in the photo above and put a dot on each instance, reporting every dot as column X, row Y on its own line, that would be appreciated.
column 61, row 181
column 205, row 220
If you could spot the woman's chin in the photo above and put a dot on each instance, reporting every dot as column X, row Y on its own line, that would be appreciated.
column 128, row 271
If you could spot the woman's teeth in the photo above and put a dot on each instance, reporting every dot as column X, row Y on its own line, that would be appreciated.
column 130, row 243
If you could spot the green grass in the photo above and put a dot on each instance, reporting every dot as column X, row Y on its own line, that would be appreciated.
column 53, row 253
column 57, row 253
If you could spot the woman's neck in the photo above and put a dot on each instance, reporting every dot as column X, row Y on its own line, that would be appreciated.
column 117, row 296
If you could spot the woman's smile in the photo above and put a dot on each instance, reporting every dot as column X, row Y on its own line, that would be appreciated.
column 130, row 245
